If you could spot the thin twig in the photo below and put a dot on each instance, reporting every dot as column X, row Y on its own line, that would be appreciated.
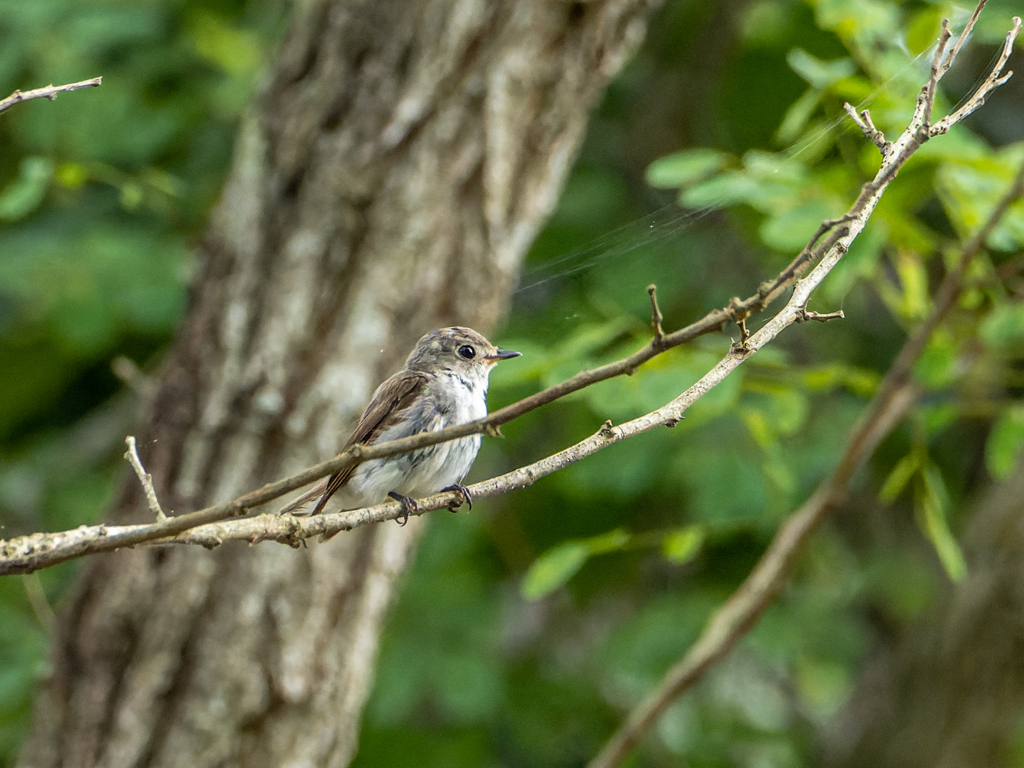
column 49, row 92
column 656, row 316
column 132, row 454
column 926, row 101
column 964, row 34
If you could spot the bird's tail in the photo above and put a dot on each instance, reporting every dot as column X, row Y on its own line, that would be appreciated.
column 298, row 505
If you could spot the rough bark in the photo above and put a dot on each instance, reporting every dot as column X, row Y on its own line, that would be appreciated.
column 394, row 170
column 951, row 692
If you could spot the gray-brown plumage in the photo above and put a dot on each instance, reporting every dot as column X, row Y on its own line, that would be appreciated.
column 444, row 383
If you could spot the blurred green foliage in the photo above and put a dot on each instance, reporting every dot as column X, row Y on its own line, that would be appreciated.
column 527, row 628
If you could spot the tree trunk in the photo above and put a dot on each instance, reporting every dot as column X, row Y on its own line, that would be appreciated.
column 396, row 167
column 951, row 693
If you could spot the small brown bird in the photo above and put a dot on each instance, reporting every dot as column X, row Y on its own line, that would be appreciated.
column 444, row 383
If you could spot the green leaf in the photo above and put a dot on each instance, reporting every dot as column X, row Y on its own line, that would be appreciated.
column 914, row 300
column 682, row 169
column 938, row 366
column 555, row 567
column 760, row 428
column 970, row 188
column 721, row 191
column 789, row 230
column 23, row 195
column 921, row 31
column 859, row 381
column 233, row 49
column 820, row 74
column 783, row 408
column 932, row 503
column 1005, row 442
column 797, row 116
column 682, row 545
column 901, row 474
column 769, row 182
column 1004, row 326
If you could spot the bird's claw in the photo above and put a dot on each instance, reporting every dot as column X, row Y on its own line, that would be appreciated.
column 467, row 497
column 409, row 507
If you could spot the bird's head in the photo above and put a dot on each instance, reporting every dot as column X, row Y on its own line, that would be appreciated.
column 459, row 350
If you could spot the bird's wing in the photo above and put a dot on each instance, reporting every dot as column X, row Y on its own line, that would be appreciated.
column 391, row 398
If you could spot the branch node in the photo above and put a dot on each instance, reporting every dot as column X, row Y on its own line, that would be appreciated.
column 607, row 430
column 740, row 348
column 863, row 121
column 132, row 455
column 738, row 310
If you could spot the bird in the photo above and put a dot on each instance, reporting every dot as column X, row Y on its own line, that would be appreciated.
column 444, row 383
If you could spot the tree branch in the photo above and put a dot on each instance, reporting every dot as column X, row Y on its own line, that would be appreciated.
column 146, row 479
column 49, row 92
column 25, row 554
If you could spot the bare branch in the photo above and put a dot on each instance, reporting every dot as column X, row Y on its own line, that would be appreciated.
column 921, row 128
column 740, row 613
column 28, row 553
column 132, row 454
column 964, row 34
column 39, row 550
column 49, row 92
column 926, row 101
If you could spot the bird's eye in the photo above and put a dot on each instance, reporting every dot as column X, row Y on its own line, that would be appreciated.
column 467, row 351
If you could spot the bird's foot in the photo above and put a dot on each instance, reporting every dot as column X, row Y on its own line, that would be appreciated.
column 409, row 507
column 467, row 497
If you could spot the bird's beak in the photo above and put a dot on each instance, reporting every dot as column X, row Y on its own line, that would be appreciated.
column 503, row 354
